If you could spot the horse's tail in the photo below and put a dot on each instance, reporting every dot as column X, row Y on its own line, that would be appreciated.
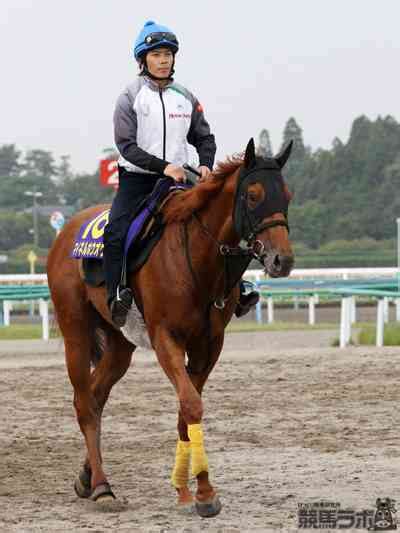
column 98, row 336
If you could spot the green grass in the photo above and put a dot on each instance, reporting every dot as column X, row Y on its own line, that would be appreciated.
column 239, row 326
column 22, row 331
column 391, row 335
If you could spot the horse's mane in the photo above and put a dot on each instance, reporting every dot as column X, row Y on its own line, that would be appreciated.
column 181, row 206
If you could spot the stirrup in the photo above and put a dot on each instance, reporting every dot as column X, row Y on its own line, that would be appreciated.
column 120, row 306
column 246, row 302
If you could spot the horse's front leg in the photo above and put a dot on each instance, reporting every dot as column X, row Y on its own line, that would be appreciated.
column 190, row 446
column 171, row 355
column 201, row 361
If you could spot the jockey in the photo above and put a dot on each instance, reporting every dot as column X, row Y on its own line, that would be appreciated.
column 154, row 120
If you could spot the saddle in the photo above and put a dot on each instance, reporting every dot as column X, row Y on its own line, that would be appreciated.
column 145, row 230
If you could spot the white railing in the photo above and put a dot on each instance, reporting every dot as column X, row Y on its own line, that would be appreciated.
column 340, row 273
column 348, row 305
column 297, row 273
column 29, row 279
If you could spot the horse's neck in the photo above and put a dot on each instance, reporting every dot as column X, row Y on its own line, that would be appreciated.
column 215, row 228
column 217, row 217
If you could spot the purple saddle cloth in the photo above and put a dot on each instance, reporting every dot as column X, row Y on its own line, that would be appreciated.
column 89, row 243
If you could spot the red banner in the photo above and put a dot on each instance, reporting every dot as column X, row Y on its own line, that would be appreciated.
column 109, row 173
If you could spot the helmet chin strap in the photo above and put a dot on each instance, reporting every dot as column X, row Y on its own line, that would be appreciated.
column 146, row 72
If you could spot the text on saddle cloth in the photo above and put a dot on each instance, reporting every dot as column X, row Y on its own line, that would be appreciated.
column 89, row 243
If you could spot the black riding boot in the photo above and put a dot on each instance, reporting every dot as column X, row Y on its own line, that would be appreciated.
column 133, row 188
column 246, row 301
column 119, row 299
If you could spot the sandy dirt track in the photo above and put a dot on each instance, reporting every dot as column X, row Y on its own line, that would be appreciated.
column 283, row 426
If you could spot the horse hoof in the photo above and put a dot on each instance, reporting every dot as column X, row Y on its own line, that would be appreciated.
column 102, row 494
column 209, row 508
column 82, row 485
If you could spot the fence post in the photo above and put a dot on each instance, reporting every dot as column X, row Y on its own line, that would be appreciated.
column 44, row 312
column 6, row 310
column 259, row 303
column 311, row 310
column 353, row 310
column 397, row 302
column 345, row 322
column 342, row 342
column 348, row 326
column 380, row 322
column 386, row 309
column 270, row 304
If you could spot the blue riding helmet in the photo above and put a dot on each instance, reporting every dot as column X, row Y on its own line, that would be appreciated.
column 154, row 36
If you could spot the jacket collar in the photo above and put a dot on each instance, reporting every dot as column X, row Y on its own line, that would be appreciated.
column 154, row 86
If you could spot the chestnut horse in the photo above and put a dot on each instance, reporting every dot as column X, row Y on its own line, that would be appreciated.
column 187, row 295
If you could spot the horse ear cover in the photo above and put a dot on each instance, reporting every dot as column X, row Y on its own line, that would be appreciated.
column 250, row 154
column 283, row 156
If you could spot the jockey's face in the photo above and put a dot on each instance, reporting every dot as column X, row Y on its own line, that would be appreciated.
column 159, row 62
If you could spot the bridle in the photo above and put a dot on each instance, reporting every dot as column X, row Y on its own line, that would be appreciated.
column 249, row 246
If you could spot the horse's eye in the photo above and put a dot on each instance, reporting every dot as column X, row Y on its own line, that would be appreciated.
column 253, row 199
column 255, row 195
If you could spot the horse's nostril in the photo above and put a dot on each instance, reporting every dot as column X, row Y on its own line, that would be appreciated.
column 277, row 262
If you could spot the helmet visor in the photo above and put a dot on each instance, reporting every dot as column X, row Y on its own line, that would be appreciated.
column 159, row 37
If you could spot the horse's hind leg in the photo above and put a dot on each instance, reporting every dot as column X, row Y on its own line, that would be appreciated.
column 78, row 352
column 112, row 366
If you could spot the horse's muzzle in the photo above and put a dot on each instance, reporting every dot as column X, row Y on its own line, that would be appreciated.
column 277, row 265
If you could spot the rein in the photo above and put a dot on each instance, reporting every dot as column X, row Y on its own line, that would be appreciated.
column 249, row 248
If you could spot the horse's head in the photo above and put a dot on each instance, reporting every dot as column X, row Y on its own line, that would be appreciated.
column 261, row 210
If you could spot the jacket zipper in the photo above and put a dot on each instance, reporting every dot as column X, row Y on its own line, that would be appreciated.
column 164, row 123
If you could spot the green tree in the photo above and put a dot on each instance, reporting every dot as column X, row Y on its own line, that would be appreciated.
column 309, row 223
column 39, row 174
column 64, row 170
column 14, row 229
column 298, row 170
column 10, row 165
column 40, row 164
column 293, row 132
column 84, row 190
column 264, row 147
column 12, row 191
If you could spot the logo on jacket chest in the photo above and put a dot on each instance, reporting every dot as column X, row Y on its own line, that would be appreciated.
column 179, row 113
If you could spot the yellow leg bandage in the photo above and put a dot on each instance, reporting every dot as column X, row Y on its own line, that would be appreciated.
column 180, row 473
column 199, row 456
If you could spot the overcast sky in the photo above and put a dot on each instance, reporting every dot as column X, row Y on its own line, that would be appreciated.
column 251, row 63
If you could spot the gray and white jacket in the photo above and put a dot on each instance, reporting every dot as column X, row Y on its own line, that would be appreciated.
column 153, row 126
